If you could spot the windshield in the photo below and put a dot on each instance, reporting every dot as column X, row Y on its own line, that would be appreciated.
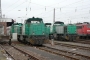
column 88, row 26
column 35, row 21
column 48, row 25
column 79, row 27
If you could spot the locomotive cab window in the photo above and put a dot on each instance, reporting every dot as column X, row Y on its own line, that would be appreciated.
column 79, row 27
column 48, row 25
column 28, row 21
column 88, row 26
column 35, row 21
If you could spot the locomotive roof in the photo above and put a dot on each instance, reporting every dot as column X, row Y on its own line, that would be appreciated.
column 70, row 24
column 34, row 19
column 47, row 23
column 59, row 22
column 17, row 23
column 82, row 24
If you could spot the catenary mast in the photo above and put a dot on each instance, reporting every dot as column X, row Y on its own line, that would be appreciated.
column 0, row 10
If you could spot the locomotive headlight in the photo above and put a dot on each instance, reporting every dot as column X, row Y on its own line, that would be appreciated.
column 33, row 33
column 43, row 33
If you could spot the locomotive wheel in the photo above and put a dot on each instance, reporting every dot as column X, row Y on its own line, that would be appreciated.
column 9, row 41
column 66, row 37
column 77, row 37
column 71, row 38
column 32, row 41
column 24, row 40
column 21, row 39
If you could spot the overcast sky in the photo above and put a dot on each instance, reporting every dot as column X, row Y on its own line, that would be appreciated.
column 65, row 10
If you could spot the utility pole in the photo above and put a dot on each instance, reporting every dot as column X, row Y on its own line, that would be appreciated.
column 26, row 8
column 54, row 16
column 0, row 10
column 52, row 37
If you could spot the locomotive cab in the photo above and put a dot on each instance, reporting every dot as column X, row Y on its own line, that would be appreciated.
column 58, row 30
column 48, row 29
column 83, row 30
column 34, row 31
column 16, row 28
column 71, row 32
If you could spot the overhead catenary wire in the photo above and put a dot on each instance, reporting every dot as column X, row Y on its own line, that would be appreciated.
column 66, row 5
column 76, row 9
column 12, row 4
column 15, row 7
column 46, row 6
column 66, row 14
column 58, row 3
column 49, row 5
column 76, row 15
column 44, row 13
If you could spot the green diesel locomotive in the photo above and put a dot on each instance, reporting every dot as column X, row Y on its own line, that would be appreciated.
column 71, row 32
column 48, row 29
column 64, row 32
column 58, row 30
column 32, row 31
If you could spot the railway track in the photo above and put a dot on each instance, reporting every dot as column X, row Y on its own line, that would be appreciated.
column 73, row 46
column 24, row 54
column 17, row 53
column 57, row 52
column 67, row 54
column 84, row 41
